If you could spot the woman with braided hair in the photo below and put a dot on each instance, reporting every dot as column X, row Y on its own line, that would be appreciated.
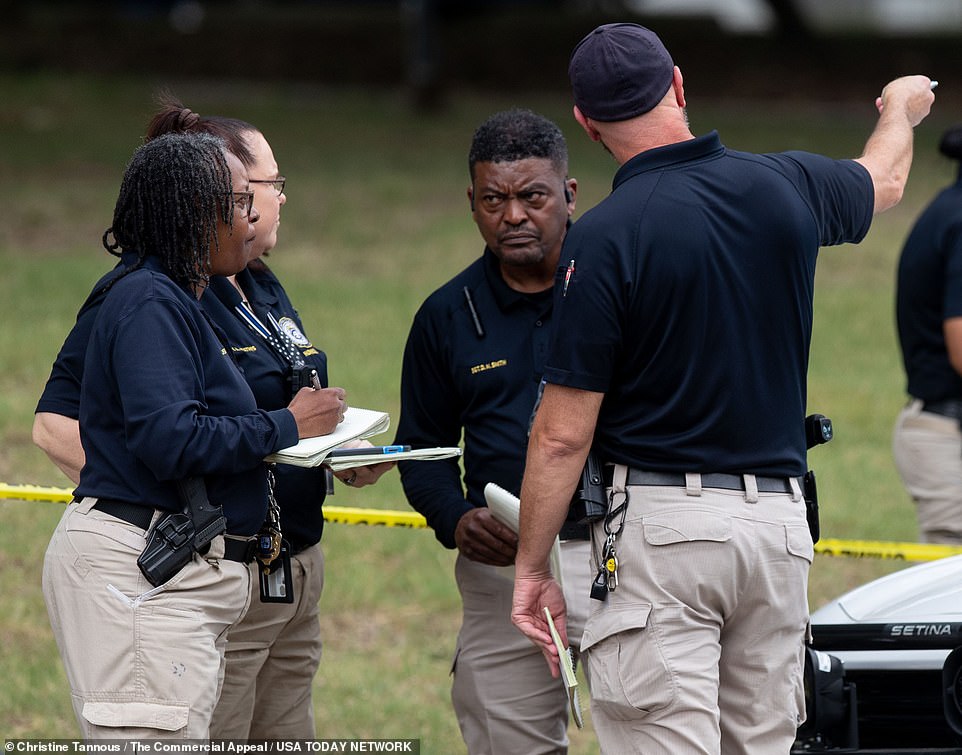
column 273, row 653
column 162, row 402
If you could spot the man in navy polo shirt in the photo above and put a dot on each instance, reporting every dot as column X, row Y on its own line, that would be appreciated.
column 928, row 306
column 679, row 353
column 472, row 364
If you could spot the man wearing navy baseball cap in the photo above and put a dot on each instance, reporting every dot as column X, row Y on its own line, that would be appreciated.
column 679, row 357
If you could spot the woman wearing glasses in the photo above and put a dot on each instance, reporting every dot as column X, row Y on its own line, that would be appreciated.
column 273, row 653
column 162, row 402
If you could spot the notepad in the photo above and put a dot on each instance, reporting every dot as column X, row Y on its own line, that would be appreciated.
column 567, row 672
column 506, row 508
column 311, row 452
column 358, row 458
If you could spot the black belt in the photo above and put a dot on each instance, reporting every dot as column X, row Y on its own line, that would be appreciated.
column 141, row 516
column 574, row 531
column 132, row 513
column 947, row 407
column 240, row 550
column 713, row 480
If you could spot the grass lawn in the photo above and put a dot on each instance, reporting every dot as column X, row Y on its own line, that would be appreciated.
column 377, row 218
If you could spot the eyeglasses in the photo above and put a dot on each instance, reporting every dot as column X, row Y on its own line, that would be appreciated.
column 243, row 201
column 277, row 183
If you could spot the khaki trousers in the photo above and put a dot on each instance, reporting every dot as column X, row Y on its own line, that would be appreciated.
column 928, row 455
column 272, row 656
column 700, row 647
column 142, row 661
column 505, row 698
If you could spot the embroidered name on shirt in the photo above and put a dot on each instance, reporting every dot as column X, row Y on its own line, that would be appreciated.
column 243, row 348
column 489, row 366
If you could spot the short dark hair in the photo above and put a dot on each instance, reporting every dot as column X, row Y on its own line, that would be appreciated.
column 518, row 134
column 175, row 118
column 175, row 190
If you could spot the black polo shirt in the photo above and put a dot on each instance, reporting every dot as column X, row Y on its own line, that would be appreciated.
column 162, row 399
column 690, row 304
column 454, row 380
column 930, row 292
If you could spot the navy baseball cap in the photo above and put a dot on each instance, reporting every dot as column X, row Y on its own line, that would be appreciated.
column 619, row 71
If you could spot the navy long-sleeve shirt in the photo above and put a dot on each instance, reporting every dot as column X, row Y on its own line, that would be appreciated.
column 299, row 491
column 161, row 399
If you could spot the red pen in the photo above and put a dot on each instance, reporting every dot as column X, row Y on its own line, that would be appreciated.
column 568, row 273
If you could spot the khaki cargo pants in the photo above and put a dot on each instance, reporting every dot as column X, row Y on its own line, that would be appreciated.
column 142, row 661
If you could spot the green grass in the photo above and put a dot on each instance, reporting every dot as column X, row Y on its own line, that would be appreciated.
column 377, row 218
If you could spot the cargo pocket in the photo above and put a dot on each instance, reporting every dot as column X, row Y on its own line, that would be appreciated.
column 624, row 659
column 671, row 527
column 698, row 538
column 798, row 682
column 798, row 541
column 127, row 719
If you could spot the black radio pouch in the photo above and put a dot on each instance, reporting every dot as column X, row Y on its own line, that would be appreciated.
column 810, row 493
column 176, row 537
column 589, row 503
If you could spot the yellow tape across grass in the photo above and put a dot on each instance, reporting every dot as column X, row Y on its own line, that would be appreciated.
column 339, row 514
column 413, row 520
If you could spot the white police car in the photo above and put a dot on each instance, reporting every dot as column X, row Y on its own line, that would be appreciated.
column 885, row 670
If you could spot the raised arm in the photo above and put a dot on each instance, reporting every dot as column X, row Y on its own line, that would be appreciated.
column 903, row 104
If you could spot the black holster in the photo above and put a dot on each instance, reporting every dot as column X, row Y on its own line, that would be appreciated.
column 176, row 537
column 810, row 493
column 589, row 503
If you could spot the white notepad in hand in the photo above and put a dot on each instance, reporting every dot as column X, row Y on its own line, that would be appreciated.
column 311, row 452
column 567, row 672
column 506, row 508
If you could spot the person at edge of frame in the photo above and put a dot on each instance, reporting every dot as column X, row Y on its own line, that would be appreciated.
column 162, row 401
column 472, row 364
column 273, row 653
column 679, row 355
column 927, row 440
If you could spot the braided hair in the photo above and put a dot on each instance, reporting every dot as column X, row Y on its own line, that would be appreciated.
column 175, row 190
column 518, row 134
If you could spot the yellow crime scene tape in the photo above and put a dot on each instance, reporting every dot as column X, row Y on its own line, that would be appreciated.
column 383, row 518
column 338, row 514
column 885, row 550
